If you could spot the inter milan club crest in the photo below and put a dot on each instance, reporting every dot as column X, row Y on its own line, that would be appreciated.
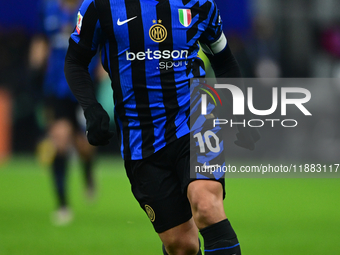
column 158, row 32
column 150, row 212
column 185, row 17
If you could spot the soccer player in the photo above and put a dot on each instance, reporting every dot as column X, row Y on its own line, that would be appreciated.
column 47, row 54
column 149, row 49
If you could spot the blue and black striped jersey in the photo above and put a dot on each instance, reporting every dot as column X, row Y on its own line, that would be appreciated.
column 150, row 50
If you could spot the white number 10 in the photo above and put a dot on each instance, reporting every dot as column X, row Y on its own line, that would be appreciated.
column 207, row 136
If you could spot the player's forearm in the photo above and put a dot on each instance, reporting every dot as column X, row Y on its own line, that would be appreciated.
column 78, row 77
column 224, row 64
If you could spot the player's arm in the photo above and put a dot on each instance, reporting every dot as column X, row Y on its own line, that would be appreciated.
column 221, row 58
column 83, row 46
column 215, row 45
column 225, row 65
column 77, row 74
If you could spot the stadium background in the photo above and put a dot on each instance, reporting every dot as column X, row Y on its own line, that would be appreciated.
column 270, row 38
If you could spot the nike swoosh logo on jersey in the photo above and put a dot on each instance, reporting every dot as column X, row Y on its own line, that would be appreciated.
column 119, row 23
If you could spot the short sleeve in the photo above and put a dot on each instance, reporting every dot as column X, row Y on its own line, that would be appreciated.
column 87, row 33
column 213, row 39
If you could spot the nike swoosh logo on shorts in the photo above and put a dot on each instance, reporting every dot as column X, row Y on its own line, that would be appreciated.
column 119, row 23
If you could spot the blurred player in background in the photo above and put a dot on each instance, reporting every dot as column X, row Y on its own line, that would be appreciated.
column 64, row 128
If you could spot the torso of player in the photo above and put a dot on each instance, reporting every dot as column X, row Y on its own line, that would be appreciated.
column 161, row 33
column 150, row 52
column 158, row 36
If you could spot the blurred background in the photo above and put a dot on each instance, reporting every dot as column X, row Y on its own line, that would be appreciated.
column 270, row 39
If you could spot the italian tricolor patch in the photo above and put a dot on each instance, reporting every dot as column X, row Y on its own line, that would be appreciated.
column 185, row 17
column 79, row 22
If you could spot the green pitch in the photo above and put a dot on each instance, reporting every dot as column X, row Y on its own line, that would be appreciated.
column 271, row 216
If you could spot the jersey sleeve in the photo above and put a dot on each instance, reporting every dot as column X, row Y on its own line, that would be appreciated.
column 87, row 33
column 213, row 39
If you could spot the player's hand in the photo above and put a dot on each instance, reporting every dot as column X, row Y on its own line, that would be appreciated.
column 97, row 125
column 247, row 137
